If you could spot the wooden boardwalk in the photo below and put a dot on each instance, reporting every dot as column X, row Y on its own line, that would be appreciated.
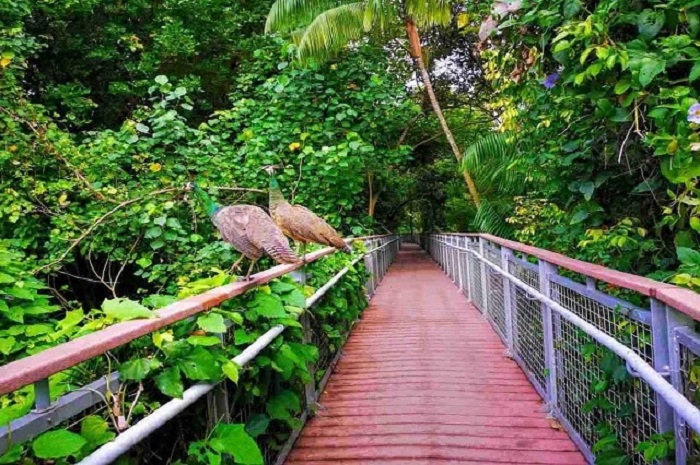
column 424, row 379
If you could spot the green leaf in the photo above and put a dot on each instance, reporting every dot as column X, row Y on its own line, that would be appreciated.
column 199, row 365
column 125, row 310
column 95, row 430
column 152, row 233
column 206, row 341
column 650, row 69
column 571, row 7
column 233, row 440
column 212, row 323
column 695, row 72
column 6, row 278
column 649, row 23
column 161, row 79
column 57, row 444
column 257, row 424
column 230, row 369
column 6, row 345
column 695, row 223
column 138, row 369
column 268, row 305
column 295, row 298
column 587, row 188
column 280, row 287
column 12, row 456
column 688, row 256
column 622, row 85
column 140, row 127
column 170, row 383
column 283, row 405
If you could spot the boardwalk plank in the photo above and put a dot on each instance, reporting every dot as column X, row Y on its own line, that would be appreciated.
column 424, row 379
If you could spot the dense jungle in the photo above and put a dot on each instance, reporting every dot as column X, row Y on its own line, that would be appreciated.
column 570, row 125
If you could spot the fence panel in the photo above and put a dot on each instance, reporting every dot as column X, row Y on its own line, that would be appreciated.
column 617, row 371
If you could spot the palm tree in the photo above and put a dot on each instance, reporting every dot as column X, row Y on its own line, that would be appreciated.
column 501, row 176
column 323, row 27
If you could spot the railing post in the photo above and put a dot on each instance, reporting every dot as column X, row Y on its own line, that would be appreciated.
column 506, row 253
column 42, row 396
column 310, row 386
column 470, row 272
column 484, row 283
column 453, row 254
column 218, row 406
column 665, row 322
column 460, row 263
column 545, row 270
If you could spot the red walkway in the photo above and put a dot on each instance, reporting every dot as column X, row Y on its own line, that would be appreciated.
column 423, row 379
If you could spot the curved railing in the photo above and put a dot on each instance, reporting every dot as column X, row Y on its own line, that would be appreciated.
column 36, row 369
column 562, row 324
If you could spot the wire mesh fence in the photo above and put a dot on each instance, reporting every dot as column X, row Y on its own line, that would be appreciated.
column 576, row 342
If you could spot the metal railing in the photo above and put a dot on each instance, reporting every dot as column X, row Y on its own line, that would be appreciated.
column 35, row 370
column 602, row 347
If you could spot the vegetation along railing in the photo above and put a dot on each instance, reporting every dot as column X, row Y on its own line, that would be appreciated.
column 615, row 356
column 221, row 402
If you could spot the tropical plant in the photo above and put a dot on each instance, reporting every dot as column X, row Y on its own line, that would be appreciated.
column 322, row 28
column 493, row 159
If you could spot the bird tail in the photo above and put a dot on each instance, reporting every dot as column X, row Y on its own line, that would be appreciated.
column 282, row 254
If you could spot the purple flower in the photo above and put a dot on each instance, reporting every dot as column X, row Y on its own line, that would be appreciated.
column 694, row 113
column 551, row 80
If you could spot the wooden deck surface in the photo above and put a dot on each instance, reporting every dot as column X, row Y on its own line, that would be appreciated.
column 424, row 379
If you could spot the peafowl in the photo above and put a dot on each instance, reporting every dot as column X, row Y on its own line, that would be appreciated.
column 248, row 229
column 300, row 223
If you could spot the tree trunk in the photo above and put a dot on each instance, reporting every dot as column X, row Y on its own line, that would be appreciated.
column 417, row 52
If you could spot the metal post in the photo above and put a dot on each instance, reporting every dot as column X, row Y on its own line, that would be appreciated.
column 470, row 272
column 453, row 262
column 218, row 407
column 42, row 395
column 461, row 256
column 669, row 345
column 506, row 253
column 546, row 269
column 299, row 276
column 484, row 283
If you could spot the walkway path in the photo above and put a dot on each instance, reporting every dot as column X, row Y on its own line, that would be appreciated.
column 424, row 380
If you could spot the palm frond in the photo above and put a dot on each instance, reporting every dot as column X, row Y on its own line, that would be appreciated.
column 490, row 218
column 494, row 163
column 379, row 14
column 428, row 13
column 288, row 15
column 331, row 30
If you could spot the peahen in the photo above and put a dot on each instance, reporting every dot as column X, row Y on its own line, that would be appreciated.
column 300, row 223
column 248, row 229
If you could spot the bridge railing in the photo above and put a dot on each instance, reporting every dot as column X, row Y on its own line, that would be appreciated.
column 615, row 356
column 36, row 370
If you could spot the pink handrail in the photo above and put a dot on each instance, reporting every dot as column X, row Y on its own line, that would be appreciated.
column 683, row 300
column 28, row 370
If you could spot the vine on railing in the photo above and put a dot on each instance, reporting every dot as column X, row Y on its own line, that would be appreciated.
column 251, row 416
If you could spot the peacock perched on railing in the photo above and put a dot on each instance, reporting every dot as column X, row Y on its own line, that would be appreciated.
column 248, row 229
column 298, row 222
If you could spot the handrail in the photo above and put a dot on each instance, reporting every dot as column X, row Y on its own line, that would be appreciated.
column 679, row 298
column 123, row 442
column 37, row 368
column 548, row 323
column 686, row 410
column 28, row 370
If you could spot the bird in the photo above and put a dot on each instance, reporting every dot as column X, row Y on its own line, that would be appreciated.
column 248, row 229
column 298, row 222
